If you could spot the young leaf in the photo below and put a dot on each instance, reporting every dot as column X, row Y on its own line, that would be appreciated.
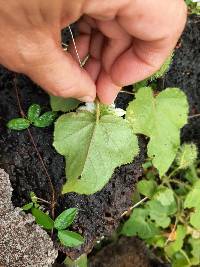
column 186, row 156
column 18, row 124
column 65, row 219
column 42, row 219
column 175, row 246
column 46, row 119
column 70, row 239
column 33, row 197
column 27, row 206
column 138, row 224
column 62, row 104
column 34, row 112
column 93, row 148
column 193, row 197
column 161, row 119
column 147, row 188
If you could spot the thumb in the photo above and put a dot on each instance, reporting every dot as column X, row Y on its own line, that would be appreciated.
column 60, row 75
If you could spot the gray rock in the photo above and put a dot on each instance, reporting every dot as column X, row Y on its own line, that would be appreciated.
column 22, row 242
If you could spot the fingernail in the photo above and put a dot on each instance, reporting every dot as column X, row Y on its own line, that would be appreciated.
column 86, row 99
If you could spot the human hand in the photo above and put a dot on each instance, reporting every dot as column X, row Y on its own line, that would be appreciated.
column 127, row 41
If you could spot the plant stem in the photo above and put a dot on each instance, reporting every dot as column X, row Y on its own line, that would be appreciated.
column 173, row 173
column 135, row 206
column 180, row 183
column 53, row 202
column 97, row 110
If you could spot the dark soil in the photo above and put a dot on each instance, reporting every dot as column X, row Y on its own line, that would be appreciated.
column 99, row 214
column 185, row 74
column 126, row 252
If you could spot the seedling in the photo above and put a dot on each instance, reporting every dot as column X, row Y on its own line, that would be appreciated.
column 60, row 225
column 33, row 118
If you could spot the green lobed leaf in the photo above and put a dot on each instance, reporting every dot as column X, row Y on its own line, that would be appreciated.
column 46, row 119
column 27, row 206
column 65, row 219
column 62, row 104
column 42, row 218
column 176, row 245
column 18, row 124
column 147, row 188
column 138, row 224
column 161, row 119
column 193, row 197
column 70, row 239
column 34, row 112
column 186, row 156
column 93, row 149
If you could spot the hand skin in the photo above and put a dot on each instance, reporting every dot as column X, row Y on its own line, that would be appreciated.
column 128, row 40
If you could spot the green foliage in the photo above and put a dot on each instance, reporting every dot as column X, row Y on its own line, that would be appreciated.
column 62, row 104
column 176, row 245
column 186, row 156
column 139, row 224
column 193, row 7
column 45, row 120
column 61, row 223
column 147, row 188
column 161, row 119
column 34, row 112
column 169, row 221
column 94, row 144
column 42, row 218
column 18, row 124
column 27, row 206
column 70, row 239
column 33, row 118
column 65, row 219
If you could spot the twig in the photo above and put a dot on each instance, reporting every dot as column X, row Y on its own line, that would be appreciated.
column 126, row 92
column 135, row 206
column 53, row 202
column 193, row 116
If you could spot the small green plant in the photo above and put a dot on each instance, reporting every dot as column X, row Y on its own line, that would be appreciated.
column 62, row 222
column 169, row 221
column 33, row 118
